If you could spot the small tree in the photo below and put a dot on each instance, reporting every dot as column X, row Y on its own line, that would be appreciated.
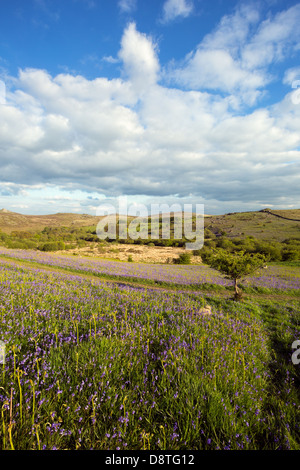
column 236, row 265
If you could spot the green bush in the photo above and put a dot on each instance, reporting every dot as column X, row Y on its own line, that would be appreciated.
column 61, row 245
column 291, row 255
column 49, row 246
column 210, row 243
column 208, row 233
column 184, row 258
column 271, row 250
column 30, row 245
column 225, row 244
column 205, row 253
column 16, row 245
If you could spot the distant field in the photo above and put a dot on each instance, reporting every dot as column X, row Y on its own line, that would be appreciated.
column 280, row 277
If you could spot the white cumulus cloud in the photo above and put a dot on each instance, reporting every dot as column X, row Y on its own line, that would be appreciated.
column 235, row 57
column 138, row 53
column 127, row 6
column 176, row 8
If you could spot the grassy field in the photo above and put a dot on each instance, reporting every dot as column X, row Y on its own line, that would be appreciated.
column 92, row 364
column 277, row 278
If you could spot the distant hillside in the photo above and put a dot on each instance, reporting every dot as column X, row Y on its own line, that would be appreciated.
column 293, row 214
column 266, row 224
column 12, row 221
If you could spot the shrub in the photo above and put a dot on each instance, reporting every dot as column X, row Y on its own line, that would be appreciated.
column 49, row 246
column 272, row 250
column 225, row 244
column 29, row 245
column 205, row 253
column 61, row 245
column 210, row 243
column 16, row 245
column 184, row 258
column 208, row 233
column 291, row 255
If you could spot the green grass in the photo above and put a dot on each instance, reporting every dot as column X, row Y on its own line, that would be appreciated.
column 93, row 365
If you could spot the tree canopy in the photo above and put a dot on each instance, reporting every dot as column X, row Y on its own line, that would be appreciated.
column 236, row 265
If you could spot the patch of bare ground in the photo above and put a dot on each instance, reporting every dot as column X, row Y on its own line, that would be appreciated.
column 138, row 253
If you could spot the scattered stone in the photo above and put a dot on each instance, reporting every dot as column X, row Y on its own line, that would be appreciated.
column 206, row 310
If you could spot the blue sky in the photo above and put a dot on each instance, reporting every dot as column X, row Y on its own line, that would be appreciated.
column 164, row 101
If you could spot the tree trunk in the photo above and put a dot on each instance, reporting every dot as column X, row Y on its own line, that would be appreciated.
column 237, row 292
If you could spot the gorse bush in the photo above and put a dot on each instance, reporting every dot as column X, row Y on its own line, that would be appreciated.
column 274, row 251
column 184, row 258
column 52, row 246
column 291, row 254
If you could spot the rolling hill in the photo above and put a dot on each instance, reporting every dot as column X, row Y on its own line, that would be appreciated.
column 12, row 221
column 265, row 224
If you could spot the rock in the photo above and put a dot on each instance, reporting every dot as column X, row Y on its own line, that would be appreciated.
column 206, row 310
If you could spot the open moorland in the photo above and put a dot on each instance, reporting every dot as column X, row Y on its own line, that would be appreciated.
column 272, row 232
column 102, row 353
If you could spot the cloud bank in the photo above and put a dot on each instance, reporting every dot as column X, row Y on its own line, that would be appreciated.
column 188, row 130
